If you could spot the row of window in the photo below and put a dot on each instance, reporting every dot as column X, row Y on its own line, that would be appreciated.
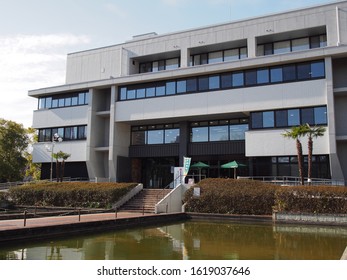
column 160, row 65
column 155, row 134
column 218, row 56
column 253, row 77
column 289, row 117
column 293, row 45
column 222, row 130
column 64, row 100
column 279, row 47
column 66, row 133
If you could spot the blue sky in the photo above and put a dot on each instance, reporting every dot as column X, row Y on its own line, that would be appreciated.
column 36, row 35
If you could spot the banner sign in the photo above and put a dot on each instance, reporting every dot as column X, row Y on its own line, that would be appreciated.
column 186, row 165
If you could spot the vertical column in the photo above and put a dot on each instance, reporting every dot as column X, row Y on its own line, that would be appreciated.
column 185, row 57
column 252, row 47
column 184, row 141
column 112, row 157
column 335, row 166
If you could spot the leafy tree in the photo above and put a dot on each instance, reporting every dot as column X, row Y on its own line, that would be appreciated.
column 32, row 170
column 13, row 144
column 60, row 166
column 295, row 133
column 312, row 132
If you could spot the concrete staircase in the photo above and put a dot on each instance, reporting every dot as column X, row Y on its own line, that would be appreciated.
column 145, row 200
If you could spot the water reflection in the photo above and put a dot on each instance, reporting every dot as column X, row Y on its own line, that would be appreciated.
column 193, row 240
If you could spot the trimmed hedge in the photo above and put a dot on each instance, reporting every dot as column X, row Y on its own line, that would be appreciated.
column 72, row 194
column 228, row 196
column 315, row 199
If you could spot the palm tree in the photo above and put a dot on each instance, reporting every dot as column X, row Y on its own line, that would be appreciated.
column 60, row 166
column 312, row 132
column 295, row 133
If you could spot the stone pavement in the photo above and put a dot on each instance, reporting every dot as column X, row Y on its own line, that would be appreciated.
column 65, row 220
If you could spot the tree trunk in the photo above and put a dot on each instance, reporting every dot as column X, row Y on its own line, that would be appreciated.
column 300, row 161
column 57, row 169
column 62, row 171
column 310, row 153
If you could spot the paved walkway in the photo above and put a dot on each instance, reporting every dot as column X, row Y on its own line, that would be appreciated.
column 64, row 220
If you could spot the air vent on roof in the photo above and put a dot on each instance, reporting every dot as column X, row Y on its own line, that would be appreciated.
column 144, row 36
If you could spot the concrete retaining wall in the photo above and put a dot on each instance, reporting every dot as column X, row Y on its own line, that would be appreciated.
column 338, row 219
column 38, row 233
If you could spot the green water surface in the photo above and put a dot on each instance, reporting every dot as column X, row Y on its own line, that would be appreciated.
column 196, row 240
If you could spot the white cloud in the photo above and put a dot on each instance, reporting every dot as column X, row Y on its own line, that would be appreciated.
column 31, row 62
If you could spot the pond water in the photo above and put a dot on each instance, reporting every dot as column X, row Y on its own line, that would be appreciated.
column 196, row 240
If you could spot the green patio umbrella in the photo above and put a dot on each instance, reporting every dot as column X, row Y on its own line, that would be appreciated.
column 233, row 164
column 199, row 165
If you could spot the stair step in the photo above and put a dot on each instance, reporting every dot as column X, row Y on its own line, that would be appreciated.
column 145, row 201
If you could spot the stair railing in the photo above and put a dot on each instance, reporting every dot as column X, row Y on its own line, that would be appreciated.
column 161, row 194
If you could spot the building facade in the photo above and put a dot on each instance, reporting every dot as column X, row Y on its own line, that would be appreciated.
column 132, row 111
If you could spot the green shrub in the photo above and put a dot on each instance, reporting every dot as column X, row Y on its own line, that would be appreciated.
column 74, row 194
column 228, row 196
column 312, row 199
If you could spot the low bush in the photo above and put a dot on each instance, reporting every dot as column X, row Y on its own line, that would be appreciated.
column 228, row 196
column 74, row 194
column 313, row 199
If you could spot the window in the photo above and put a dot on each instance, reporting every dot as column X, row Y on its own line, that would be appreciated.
column 289, row 73
column 238, row 79
column 317, row 69
column 307, row 116
column 281, row 118
column 160, row 89
column 181, row 86
column 276, row 74
column 67, row 133
column 268, row 119
column 251, row 77
column 141, row 93
column 172, row 64
column 172, row 135
column 320, row 115
column 199, row 134
column 297, row 44
column 203, row 83
column 215, row 57
column 150, row 91
column 259, row 76
column 170, row 87
column 155, row 137
column 214, row 82
column 262, row 76
column 219, row 133
column 237, row 131
column 138, row 137
column 304, row 71
column 289, row 117
column 226, row 80
column 231, row 55
column 155, row 134
column 191, row 85
column 293, row 117
column 300, row 44
column 257, row 120
column 282, row 47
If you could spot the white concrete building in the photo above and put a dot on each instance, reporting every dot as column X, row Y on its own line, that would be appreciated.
column 132, row 111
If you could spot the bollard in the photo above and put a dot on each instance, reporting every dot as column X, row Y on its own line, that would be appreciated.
column 25, row 217
column 79, row 215
column 35, row 210
column 167, row 207
column 116, row 213
column 143, row 210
